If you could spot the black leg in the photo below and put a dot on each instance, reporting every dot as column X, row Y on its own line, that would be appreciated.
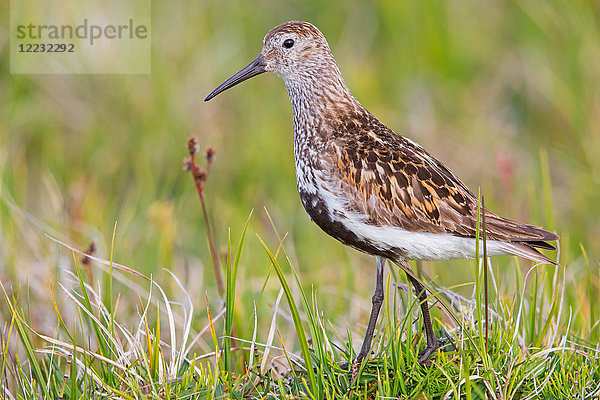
column 432, row 342
column 377, row 300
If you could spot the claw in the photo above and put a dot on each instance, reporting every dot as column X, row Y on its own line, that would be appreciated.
column 427, row 352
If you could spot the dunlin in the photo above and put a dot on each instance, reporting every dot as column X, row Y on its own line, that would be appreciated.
column 369, row 187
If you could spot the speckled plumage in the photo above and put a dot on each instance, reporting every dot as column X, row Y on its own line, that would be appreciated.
column 365, row 185
column 358, row 177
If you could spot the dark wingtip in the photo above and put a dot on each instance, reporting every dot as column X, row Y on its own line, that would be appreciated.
column 541, row 241
column 541, row 244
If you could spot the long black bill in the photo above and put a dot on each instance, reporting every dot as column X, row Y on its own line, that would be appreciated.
column 256, row 67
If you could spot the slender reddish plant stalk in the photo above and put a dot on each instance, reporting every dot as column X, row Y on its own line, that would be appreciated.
column 200, row 175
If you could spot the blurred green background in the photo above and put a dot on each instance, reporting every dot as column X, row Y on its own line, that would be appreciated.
column 499, row 91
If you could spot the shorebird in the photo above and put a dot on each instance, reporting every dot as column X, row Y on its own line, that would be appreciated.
column 369, row 187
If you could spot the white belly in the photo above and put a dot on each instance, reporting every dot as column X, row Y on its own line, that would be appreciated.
column 413, row 245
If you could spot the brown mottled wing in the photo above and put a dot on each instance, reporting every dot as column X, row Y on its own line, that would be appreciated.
column 399, row 184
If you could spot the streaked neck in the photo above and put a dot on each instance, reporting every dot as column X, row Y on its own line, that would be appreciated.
column 317, row 94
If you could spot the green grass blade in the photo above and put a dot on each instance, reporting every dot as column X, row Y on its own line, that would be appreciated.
column 38, row 373
column 592, row 298
column 229, row 305
column 232, row 273
column 295, row 315
column 310, row 316
column 104, row 350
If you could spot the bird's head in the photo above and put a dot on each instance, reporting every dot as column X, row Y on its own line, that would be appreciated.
column 295, row 51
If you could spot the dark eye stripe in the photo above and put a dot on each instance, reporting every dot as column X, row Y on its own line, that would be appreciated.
column 287, row 43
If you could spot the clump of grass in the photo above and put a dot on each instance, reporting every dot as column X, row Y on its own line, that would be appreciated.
column 101, row 356
column 97, row 356
column 479, row 360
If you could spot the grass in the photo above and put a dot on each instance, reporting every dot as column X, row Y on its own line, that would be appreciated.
column 528, row 350
column 504, row 94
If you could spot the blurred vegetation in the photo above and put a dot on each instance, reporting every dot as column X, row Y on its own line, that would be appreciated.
column 506, row 93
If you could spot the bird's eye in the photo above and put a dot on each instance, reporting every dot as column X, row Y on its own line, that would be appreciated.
column 288, row 43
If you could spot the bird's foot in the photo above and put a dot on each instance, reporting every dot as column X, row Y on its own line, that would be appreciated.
column 426, row 353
